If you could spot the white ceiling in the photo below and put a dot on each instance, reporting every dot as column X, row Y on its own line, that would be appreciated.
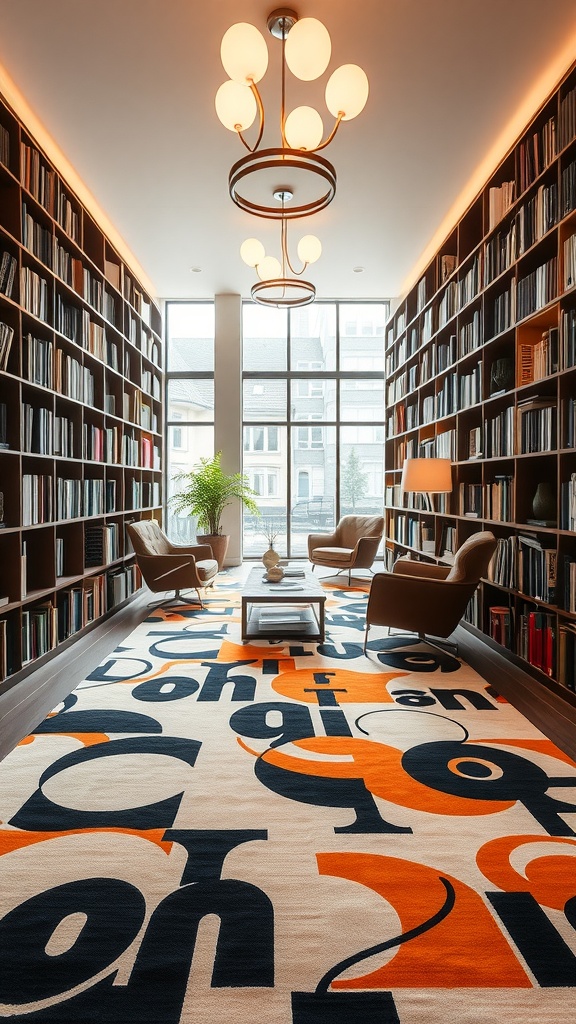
column 126, row 89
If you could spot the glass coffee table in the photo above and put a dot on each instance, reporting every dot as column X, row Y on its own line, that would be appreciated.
column 291, row 609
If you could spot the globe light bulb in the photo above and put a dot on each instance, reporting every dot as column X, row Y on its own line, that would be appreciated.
column 308, row 49
column 309, row 249
column 235, row 106
column 252, row 252
column 347, row 91
column 269, row 269
column 244, row 53
column 304, row 129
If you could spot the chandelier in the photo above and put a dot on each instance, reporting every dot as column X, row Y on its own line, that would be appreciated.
column 275, row 288
column 295, row 165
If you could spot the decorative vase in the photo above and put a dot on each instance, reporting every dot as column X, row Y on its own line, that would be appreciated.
column 275, row 573
column 544, row 502
column 270, row 558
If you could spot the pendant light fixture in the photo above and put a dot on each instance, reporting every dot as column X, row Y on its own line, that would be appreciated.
column 294, row 165
column 275, row 288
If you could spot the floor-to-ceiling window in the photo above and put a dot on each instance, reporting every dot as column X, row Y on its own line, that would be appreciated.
column 189, row 405
column 312, row 413
column 313, row 417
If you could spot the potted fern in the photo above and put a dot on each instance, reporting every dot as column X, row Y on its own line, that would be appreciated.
column 207, row 491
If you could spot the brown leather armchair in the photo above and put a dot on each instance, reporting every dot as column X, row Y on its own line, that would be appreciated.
column 424, row 598
column 166, row 566
column 353, row 545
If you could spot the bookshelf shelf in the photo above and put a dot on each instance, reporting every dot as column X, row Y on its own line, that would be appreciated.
column 80, row 410
column 481, row 368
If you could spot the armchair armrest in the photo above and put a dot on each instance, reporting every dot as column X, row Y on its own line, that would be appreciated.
column 321, row 540
column 365, row 551
column 424, row 570
column 196, row 550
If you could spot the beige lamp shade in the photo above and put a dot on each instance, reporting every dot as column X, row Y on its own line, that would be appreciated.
column 308, row 49
column 244, row 53
column 433, row 476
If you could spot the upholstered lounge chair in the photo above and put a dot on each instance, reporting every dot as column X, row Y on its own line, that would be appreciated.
column 353, row 545
column 166, row 566
column 428, row 599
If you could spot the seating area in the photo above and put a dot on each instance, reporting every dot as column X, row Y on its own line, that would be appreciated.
column 166, row 566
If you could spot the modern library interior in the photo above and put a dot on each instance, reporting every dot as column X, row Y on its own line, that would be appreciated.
column 287, row 511
column 134, row 340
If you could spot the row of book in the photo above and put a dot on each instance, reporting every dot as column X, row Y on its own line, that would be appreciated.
column 549, row 646
column 76, row 498
column 539, row 359
column 531, row 222
column 535, row 153
column 569, row 262
column 536, row 640
column 43, row 626
column 101, row 544
column 522, row 563
column 73, row 379
column 4, row 146
column 8, row 265
column 537, row 289
column 6, row 336
column 34, row 294
column 536, row 425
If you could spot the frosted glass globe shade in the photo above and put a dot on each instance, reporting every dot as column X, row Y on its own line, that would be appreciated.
column 252, row 252
column 244, row 53
column 309, row 249
column 304, row 129
column 308, row 49
column 269, row 269
column 235, row 106
column 347, row 91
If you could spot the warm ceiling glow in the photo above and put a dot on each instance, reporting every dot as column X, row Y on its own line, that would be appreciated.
column 533, row 100
column 12, row 94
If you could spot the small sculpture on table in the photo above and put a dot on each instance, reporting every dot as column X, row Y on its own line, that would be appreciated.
column 271, row 558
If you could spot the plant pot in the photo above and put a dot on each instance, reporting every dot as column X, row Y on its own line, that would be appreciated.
column 219, row 544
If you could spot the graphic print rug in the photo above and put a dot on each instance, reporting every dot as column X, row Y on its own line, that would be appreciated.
column 207, row 832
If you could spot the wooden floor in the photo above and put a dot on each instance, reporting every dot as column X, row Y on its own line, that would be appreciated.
column 28, row 702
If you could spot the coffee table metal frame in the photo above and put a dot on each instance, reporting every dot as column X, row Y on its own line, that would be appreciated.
column 256, row 592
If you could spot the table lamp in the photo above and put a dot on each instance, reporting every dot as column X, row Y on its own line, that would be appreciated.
column 427, row 476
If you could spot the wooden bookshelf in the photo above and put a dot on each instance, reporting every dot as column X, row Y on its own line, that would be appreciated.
column 80, row 411
column 481, row 368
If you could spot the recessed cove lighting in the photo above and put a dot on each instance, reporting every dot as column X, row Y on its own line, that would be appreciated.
column 358, row 270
